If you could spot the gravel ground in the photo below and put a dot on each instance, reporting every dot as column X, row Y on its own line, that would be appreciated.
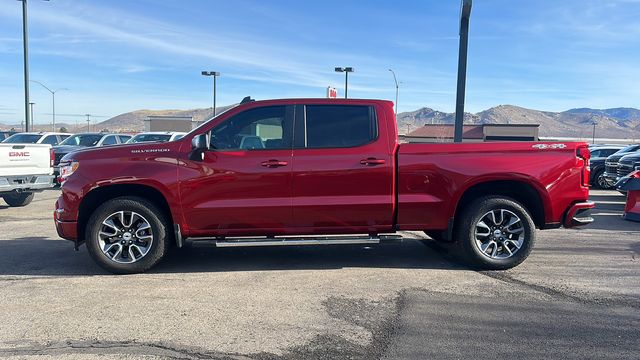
column 577, row 296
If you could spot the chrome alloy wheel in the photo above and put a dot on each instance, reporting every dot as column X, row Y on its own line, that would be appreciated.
column 603, row 182
column 499, row 234
column 125, row 237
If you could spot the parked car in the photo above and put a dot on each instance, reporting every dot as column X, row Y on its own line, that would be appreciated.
column 611, row 163
column 5, row 134
column 51, row 138
column 598, row 156
column 157, row 136
column 24, row 169
column 85, row 140
column 310, row 169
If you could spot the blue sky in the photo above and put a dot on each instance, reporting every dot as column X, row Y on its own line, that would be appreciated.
column 118, row 56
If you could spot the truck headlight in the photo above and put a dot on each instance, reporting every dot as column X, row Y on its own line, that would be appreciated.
column 66, row 169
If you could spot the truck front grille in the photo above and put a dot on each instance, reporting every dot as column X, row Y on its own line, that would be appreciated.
column 611, row 167
column 624, row 169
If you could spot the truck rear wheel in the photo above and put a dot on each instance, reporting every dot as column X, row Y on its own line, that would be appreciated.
column 495, row 233
column 127, row 235
column 17, row 199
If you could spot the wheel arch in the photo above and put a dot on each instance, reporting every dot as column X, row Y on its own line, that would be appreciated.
column 99, row 195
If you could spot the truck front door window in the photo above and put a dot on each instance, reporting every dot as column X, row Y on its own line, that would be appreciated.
column 255, row 129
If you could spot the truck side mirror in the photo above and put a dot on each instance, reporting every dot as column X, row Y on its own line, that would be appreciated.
column 199, row 144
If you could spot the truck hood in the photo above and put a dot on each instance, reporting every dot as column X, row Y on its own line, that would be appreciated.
column 631, row 158
column 168, row 149
column 617, row 157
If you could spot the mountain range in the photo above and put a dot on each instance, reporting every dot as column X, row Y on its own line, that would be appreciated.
column 621, row 123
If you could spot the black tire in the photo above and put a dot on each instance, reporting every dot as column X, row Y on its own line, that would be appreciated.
column 16, row 199
column 465, row 233
column 160, row 230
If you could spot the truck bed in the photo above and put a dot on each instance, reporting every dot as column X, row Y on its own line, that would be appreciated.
column 433, row 177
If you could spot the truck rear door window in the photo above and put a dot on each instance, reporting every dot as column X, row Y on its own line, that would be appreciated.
column 335, row 126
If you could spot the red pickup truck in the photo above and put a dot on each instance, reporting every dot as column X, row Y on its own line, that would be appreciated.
column 302, row 171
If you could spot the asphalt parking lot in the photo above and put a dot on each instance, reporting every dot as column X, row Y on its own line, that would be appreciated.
column 577, row 296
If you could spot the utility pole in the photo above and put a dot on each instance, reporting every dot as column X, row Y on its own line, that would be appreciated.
column 346, row 71
column 593, row 137
column 465, row 15
column 214, row 74
column 397, row 88
column 25, row 49
column 88, row 122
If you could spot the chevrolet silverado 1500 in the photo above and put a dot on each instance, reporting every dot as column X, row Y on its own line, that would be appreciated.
column 301, row 171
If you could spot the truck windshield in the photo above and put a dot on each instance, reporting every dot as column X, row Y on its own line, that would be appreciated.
column 150, row 138
column 82, row 140
column 23, row 139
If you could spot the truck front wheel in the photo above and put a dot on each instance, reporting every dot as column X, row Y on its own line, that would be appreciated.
column 127, row 235
column 17, row 199
column 495, row 233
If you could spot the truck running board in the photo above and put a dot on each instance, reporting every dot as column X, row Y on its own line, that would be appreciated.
column 292, row 241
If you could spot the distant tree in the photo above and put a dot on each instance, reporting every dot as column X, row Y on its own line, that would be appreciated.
column 104, row 130
column 63, row 130
column 13, row 129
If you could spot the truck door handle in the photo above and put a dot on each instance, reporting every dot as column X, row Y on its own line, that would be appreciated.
column 372, row 161
column 273, row 163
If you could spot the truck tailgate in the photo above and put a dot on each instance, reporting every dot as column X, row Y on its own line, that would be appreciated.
column 25, row 159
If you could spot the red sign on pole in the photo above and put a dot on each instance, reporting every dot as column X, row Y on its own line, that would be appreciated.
column 332, row 93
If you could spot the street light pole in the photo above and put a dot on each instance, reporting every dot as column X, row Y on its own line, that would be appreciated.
column 346, row 71
column 88, row 122
column 53, row 96
column 25, row 48
column 465, row 15
column 593, row 137
column 215, row 74
column 397, row 88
